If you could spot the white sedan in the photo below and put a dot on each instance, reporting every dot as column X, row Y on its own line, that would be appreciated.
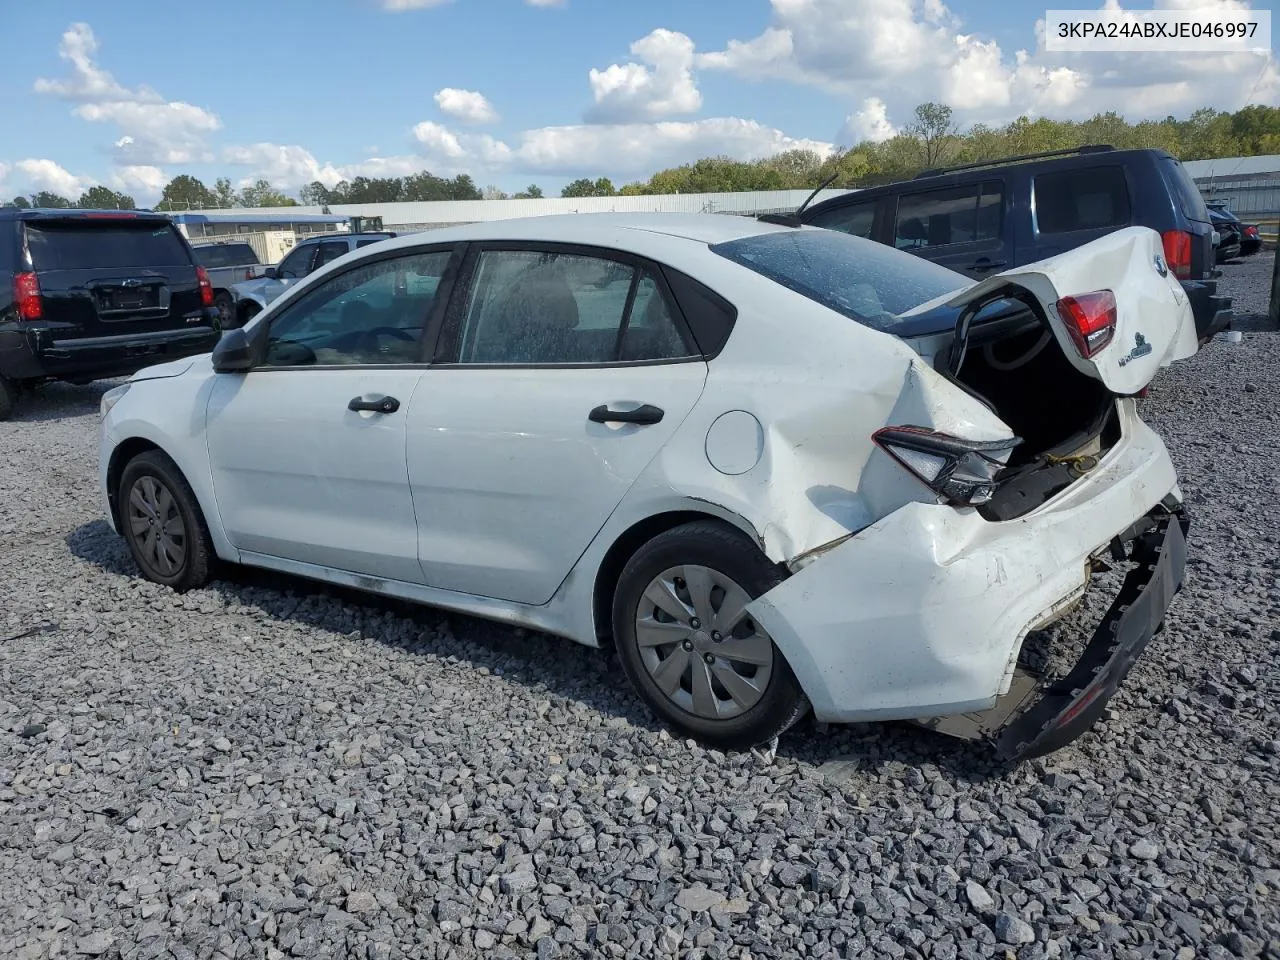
column 778, row 468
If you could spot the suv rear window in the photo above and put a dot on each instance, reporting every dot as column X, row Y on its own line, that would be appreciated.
column 82, row 244
column 864, row 280
column 1184, row 190
column 215, row 255
column 1085, row 198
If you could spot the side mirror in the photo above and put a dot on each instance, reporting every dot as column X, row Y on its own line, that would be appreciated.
column 233, row 353
column 271, row 274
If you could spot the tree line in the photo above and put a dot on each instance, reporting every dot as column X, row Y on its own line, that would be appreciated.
column 931, row 139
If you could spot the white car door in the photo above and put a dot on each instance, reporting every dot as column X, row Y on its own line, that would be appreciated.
column 564, row 372
column 307, row 449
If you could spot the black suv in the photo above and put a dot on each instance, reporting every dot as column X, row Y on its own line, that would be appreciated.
column 986, row 217
column 93, row 294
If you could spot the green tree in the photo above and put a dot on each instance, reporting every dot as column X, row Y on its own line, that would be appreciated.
column 314, row 194
column 46, row 198
column 224, row 195
column 493, row 192
column 935, row 128
column 104, row 198
column 531, row 192
column 22, row 203
column 185, row 192
column 262, row 194
column 585, row 187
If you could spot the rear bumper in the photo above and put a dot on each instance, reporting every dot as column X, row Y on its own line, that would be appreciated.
column 923, row 614
column 1212, row 312
column 39, row 353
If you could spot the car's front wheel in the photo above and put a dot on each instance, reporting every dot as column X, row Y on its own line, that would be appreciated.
column 162, row 523
column 689, row 648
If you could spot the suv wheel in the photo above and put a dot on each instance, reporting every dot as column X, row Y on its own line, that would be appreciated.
column 683, row 640
column 8, row 397
column 162, row 523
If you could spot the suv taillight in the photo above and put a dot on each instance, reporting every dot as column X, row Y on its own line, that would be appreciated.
column 1177, row 252
column 206, row 288
column 1090, row 319
column 26, row 296
column 961, row 473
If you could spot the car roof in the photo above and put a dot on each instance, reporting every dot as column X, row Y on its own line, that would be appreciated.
column 76, row 213
column 626, row 231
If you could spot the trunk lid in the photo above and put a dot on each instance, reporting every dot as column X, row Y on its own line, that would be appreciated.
column 1154, row 323
column 113, row 274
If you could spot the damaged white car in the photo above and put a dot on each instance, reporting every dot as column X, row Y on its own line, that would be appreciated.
column 779, row 468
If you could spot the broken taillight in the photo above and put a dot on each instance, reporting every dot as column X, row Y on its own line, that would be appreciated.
column 961, row 473
column 1090, row 320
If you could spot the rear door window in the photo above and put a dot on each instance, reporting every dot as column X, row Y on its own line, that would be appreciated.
column 330, row 251
column 1085, row 198
column 937, row 218
column 83, row 244
column 1184, row 190
column 225, row 255
column 297, row 264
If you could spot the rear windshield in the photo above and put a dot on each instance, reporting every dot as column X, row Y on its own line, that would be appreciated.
column 1185, row 191
column 864, row 280
column 225, row 255
column 93, row 245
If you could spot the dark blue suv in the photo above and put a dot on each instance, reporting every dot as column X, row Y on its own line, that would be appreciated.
column 983, row 218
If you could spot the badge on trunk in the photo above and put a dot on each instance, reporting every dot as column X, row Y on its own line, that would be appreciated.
column 1140, row 349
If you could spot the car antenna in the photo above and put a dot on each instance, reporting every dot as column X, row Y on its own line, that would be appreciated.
column 793, row 219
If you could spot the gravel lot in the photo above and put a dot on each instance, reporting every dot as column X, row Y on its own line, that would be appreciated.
column 263, row 769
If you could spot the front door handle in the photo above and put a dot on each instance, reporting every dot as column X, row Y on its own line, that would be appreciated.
column 646, row 414
column 984, row 265
column 374, row 404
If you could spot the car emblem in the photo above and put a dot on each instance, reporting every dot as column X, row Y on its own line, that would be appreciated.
column 1140, row 349
column 1161, row 267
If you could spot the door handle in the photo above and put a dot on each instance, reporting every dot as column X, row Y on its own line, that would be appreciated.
column 984, row 264
column 646, row 414
column 374, row 405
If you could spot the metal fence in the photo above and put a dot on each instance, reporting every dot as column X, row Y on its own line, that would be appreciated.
column 1255, row 198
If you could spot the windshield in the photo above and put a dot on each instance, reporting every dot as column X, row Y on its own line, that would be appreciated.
column 864, row 280
column 225, row 255
column 80, row 244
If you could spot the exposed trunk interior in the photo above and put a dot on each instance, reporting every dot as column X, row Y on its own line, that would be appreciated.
column 1067, row 420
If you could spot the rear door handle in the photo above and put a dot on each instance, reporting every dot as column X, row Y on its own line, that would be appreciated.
column 374, row 404
column 646, row 414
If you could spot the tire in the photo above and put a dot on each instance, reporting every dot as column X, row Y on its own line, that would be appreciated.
column 164, row 512
column 226, row 310
column 697, row 666
column 8, row 398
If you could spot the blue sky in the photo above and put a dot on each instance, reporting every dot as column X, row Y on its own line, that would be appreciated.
column 132, row 92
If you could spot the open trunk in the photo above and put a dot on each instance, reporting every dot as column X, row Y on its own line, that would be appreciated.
column 1051, row 346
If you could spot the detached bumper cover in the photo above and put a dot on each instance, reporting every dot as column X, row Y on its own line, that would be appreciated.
column 1069, row 707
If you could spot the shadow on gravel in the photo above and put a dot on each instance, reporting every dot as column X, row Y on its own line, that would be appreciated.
column 59, row 401
column 590, row 677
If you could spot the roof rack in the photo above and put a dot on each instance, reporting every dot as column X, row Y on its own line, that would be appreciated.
column 1089, row 148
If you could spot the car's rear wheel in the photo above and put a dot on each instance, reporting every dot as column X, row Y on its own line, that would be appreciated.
column 8, row 398
column 162, row 523
column 687, row 645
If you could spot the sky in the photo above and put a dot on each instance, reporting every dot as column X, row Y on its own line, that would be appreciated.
column 131, row 93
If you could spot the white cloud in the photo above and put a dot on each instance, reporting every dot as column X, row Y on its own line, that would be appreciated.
column 437, row 140
column 634, row 91
column 869, row 123
column 284, row 165
column 144, row 182
column 615, row 150
column 152, row 129
column 48, row 175
column 469, row 106
column 905, row 52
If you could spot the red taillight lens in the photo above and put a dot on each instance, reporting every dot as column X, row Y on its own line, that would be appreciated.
column 961, row 473
column 1090, row 320
column 206, row 288
column 1177, row 252
column 26, row 296
column 1251, row 231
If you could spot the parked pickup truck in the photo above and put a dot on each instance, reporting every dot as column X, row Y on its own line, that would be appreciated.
column 228, row 264
column 252, row 296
